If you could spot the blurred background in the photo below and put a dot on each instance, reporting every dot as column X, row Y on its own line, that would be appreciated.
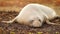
column 17, row 5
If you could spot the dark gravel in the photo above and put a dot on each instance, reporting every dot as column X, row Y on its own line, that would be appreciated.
column 16, row 28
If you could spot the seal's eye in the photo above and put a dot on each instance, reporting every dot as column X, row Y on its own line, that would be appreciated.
column 31, row 21
column 39, row 20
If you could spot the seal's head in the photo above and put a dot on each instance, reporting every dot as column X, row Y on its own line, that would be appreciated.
column 36, row 23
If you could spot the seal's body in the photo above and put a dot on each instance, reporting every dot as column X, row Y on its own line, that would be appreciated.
column 34, row 15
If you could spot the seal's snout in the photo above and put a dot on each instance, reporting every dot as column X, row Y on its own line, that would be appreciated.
column 36, row 23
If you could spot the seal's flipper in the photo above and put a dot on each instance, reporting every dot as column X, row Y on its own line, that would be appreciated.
column 7, row 21
column 48, row 22
column 11, row 21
